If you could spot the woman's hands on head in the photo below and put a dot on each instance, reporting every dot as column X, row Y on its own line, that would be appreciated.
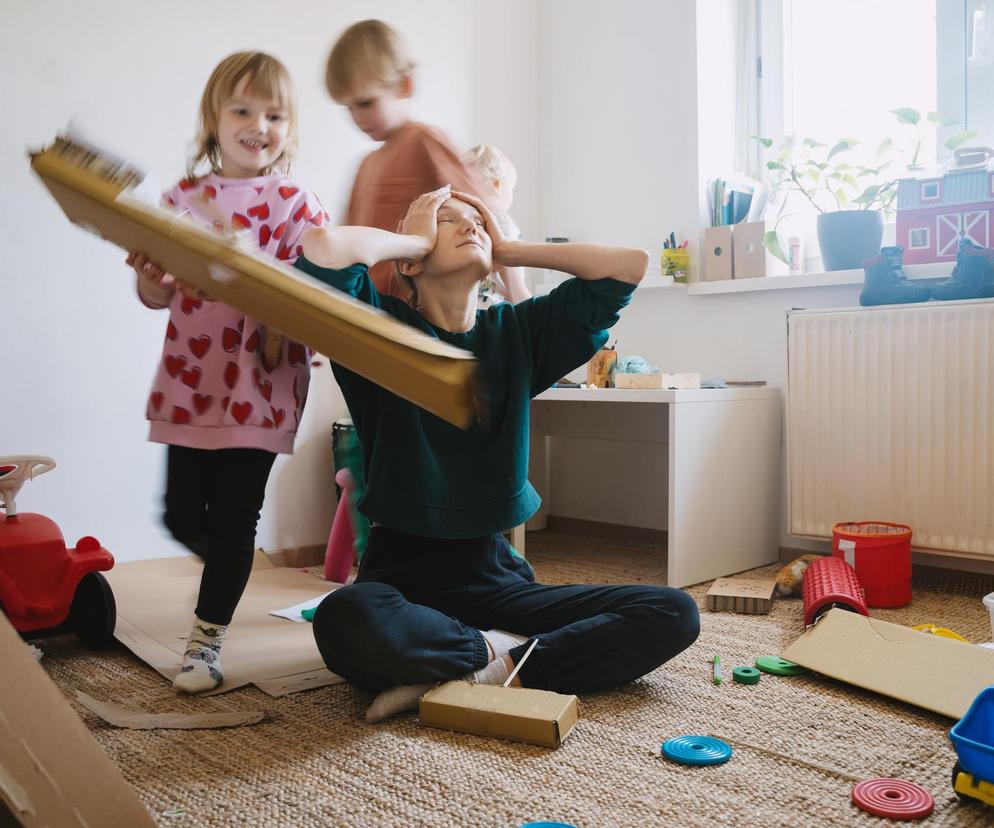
column 422, row 217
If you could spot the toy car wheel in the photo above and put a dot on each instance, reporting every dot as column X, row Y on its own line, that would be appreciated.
column 93, row 614
column 957, row 769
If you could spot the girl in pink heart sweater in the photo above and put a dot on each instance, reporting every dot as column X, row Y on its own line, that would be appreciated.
column 227, row 397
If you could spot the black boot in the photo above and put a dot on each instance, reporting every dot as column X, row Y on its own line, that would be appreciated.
column 885, row 282
column 973, row 276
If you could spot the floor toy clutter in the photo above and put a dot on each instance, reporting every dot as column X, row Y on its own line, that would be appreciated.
column 47, row 588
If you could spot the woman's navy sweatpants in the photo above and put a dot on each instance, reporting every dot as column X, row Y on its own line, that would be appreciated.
column 415, row 612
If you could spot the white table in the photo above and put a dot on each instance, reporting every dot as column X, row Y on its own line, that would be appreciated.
column 720, row 490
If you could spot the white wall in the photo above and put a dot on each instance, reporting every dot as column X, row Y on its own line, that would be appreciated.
column 80, row 350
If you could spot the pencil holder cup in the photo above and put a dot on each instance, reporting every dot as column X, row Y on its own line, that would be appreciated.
column 675, row 263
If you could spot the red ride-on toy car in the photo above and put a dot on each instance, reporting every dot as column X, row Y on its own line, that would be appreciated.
column 46, row 588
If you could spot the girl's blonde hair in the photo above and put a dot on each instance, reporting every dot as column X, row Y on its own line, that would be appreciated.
column 265, row 78
column 367, row 52
column 492, row 164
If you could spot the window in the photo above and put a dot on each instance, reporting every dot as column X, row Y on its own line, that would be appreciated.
column 837, row 69
column 930, row 191
column 918, row 238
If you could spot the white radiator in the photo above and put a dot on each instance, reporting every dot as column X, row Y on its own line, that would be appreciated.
column 890, row 416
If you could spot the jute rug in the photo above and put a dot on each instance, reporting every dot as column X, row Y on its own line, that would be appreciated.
column 799, row 742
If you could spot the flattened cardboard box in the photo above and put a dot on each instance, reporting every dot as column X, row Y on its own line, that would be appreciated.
column 52, row 771
column 521, row 714
column 274, row 654
column 928, row 671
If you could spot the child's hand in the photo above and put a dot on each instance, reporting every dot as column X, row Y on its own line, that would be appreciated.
column 422, row 218
column 150, row 272
column 498, row 241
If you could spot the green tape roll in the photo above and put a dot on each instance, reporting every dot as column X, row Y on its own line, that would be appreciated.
column 745, row 675
column 778, row 666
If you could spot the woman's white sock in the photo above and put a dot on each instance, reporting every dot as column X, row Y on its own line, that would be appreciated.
column 407, row 696
column 501, row 642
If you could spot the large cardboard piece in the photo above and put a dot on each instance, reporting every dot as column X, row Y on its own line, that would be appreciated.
column 925, row 670
column 52, row 772
column 518, row 713
column 155, row 604
column 95, row 195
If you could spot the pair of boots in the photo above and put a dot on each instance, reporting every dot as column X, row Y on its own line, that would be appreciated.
column 886, row 284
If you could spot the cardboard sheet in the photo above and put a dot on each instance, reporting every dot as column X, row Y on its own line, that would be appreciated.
column 430, row 373
column 939, row 674
column 118, row 716
column 155, row 603
column 52, row 772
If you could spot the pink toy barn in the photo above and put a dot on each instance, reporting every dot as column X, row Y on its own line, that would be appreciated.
column 934, row 213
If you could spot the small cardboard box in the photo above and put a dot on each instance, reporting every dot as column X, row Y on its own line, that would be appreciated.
column 521, row 714
column 925, row 670
column 750, row 596
column 638, row 380
column 718, row 253
column 657, row 381
column 750, row 255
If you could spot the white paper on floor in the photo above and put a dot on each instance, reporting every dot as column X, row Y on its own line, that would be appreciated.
column 293, row 613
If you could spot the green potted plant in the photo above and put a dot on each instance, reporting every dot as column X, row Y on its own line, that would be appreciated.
column 851, row 198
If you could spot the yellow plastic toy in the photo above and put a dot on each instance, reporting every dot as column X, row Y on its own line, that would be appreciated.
column 934, row 630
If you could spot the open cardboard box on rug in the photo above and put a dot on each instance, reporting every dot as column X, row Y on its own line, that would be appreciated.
column 925, row 670
column 52, row 771
column 155, row 604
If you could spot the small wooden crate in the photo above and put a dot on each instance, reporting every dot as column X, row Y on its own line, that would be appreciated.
column 750, row 596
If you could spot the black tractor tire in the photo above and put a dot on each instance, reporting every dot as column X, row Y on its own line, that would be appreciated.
column 93, row 614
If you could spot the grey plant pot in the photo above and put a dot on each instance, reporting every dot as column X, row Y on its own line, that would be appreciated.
column 847, row 237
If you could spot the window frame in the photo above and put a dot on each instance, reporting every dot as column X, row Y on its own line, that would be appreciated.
column 954, row 38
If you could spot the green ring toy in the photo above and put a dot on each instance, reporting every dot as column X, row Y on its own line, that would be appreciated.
column 778, row 666
column 745, row 675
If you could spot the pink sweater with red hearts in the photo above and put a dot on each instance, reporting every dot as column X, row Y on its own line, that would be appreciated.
column 211, row 390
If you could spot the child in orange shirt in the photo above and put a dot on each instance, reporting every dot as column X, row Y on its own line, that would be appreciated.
column 371, row 73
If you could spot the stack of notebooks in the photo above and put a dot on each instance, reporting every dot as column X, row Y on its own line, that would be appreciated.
column 735, row 199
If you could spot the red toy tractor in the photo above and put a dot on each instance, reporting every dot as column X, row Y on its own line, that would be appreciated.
column 45, row 588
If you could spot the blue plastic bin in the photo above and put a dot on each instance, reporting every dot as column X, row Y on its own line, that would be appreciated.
column 973, row 737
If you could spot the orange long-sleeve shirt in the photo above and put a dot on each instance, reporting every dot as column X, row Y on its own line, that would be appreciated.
column 414, row 160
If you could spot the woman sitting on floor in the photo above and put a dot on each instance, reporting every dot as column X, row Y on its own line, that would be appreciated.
column 440, row 593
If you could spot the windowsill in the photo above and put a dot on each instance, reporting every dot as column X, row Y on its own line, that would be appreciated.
column 810, row 280
column 653, row 280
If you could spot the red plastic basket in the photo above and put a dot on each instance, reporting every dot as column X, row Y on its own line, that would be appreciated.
column 880, row 552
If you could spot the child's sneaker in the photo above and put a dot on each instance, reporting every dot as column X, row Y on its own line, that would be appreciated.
column 885, row 282
column 973, row 276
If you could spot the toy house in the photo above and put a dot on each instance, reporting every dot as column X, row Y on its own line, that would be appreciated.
column 933, row 214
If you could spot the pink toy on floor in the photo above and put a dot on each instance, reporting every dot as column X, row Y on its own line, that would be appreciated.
column 341, row 542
